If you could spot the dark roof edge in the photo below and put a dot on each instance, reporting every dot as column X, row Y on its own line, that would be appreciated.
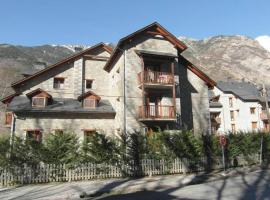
column 118, row 48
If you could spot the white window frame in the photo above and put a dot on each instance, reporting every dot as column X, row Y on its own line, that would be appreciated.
column 38, row 106
column 90, row 100
column 61, row 85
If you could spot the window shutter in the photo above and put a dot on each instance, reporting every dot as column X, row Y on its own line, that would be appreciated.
column 8, row 120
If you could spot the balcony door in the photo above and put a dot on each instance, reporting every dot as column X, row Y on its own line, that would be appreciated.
column 151, row 72
column 153, row 105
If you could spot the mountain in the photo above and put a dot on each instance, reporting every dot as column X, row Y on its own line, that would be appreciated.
column 230, row 57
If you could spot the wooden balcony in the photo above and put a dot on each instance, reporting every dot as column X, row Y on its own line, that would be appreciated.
column 154, row 112
column 154, row 78
column 263, row 115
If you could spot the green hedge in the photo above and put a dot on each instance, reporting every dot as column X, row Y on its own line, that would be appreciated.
column 67, row 149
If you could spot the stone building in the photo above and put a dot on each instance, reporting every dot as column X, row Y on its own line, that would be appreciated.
column 144, row 83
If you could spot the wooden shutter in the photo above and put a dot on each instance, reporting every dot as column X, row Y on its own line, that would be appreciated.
column 8, row 119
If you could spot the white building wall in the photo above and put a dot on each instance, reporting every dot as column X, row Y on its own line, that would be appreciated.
column 243, row 117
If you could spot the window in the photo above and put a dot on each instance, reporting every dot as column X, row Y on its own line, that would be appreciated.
column 89, row 103
column 34, row 135
column 231, row 102
column 58, row 83
column 254, row 125
column 252, row 110
column 88, row 134
column 232, row 115
column 58, row 132
column 8, row 118
column 88, row 84
column 233, row 128
column 39, row 101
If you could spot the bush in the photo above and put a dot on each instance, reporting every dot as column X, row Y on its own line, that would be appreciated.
column 99, row 148
column 27, row 152
column 60, row 148
column 4, row 150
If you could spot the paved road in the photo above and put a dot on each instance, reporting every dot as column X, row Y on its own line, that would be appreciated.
column 255, row 185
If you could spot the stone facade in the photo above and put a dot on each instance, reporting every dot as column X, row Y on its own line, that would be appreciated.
column 198, row 116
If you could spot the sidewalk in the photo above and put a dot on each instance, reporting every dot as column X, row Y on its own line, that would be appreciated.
column 90, row 189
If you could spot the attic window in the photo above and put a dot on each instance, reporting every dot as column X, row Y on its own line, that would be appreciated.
column 39, row 102
column 89, row 103
column 58, row 82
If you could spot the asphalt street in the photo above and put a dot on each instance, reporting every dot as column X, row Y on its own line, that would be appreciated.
column 253, row 185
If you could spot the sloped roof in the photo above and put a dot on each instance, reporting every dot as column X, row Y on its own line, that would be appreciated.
column 22, row 104
column 244, row 90
column 9, row 98
column 37, row 91
column 86, row 94
column 155, row 28
column 210, row 82
column 64, row 61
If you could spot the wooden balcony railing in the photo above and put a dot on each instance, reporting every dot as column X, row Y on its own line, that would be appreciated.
column 263, row 115
column 154, row 77
column 156, row 112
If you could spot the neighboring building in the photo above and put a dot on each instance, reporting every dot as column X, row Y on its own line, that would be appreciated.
column 236, row 106
column 143, row 84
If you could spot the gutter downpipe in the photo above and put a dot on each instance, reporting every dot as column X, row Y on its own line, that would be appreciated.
column 125, row 117
column 12, row 131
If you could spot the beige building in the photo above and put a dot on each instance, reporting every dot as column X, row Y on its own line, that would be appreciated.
column 143, row 84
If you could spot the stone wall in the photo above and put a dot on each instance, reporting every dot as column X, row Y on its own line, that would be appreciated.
column 74, row 124
column 195, row 98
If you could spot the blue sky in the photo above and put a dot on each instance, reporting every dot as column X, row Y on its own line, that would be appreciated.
column 36, row 22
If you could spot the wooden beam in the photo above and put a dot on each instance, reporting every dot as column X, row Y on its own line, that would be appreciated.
column 168, row 37
column 93, row 57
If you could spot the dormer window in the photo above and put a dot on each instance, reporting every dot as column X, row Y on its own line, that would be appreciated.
column 39, row 98
column 89, row 103
column 39, row 102
column 58, row 82
column 89, row 99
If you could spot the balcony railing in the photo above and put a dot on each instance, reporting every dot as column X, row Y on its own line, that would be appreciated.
column 263, row 115
column 154, row 77
column 156, row 112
